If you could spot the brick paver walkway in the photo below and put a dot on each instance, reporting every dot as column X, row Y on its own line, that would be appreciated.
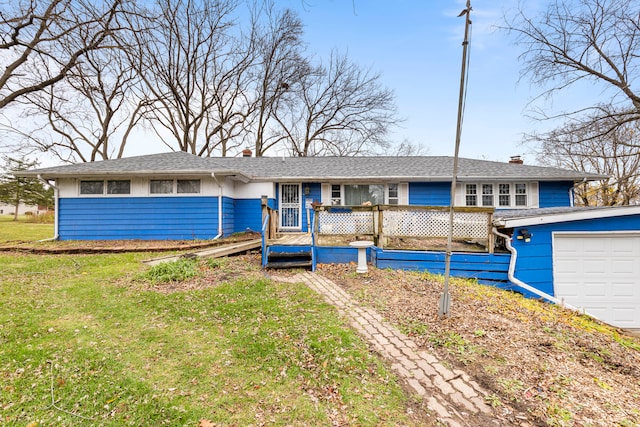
column 451, row 394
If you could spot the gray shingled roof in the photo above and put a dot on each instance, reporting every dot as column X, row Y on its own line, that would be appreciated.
column 424, row 168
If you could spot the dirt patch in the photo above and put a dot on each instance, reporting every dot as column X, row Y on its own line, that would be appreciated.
column 560, row 367
column 116, row 246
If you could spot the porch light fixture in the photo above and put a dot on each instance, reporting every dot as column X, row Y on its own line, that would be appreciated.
column 307, row 190
column 525, row 235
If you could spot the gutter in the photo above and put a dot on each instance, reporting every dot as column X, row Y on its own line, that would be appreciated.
column 523, row 285
column 56, row 197
column 213, row 175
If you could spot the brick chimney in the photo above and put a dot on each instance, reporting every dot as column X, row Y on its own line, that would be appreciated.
column 516, row 160
column 246, row 153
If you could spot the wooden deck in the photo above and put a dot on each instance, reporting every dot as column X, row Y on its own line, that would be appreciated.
column 291, row 239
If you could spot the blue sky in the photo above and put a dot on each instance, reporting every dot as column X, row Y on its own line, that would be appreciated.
column 417, row 48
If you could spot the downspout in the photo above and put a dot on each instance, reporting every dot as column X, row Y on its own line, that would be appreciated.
column 523, row 285
column 213, row 175
column 56, row 196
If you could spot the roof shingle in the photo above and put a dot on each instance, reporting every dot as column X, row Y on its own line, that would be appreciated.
column 419, row 168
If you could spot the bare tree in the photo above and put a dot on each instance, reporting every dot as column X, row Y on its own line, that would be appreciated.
column 42, row 41
column 189, row 60
column 407, row 148
column 614, row 154
column 342, row 110
column 89, row 114
column 228, row 118
column 575, row 41
column 278, row 73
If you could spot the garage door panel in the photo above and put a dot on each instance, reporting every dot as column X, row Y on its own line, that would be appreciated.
column 628, row 289
column 601, row 274
column 598, row 267
column 624, row 315
column 593, row 290
column 569, row 266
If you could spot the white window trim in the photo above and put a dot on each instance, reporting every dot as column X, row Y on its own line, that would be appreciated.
column 402, row 197
column 105, row 185
column 174, row 188
column 531, row 193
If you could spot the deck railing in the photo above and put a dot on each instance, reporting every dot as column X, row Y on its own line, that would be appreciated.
column 382, row 222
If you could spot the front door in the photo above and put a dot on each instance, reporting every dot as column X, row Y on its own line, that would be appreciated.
column 290, row 207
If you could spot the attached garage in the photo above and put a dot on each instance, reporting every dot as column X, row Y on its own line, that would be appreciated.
column 588, row 257
column 600, row 273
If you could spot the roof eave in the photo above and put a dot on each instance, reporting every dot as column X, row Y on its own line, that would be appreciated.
column 566, row 216
column 76, row 174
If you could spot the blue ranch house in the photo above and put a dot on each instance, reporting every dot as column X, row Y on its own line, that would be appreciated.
column 532, row 238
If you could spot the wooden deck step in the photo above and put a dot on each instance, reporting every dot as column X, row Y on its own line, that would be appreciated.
column 297, row 259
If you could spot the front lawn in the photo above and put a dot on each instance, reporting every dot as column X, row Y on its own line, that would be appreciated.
column 84, row 340
column 26, row 229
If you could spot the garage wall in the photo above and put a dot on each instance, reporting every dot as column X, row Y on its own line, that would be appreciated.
column 535, row 258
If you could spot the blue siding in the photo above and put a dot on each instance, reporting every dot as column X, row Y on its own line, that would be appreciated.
column 338, row 254
column 145, row 218
column 429, row 193
column 554, row 194
column 248, row 215
column 486, row 268
column 535, row 259
column 228, row 216
column 315, row 195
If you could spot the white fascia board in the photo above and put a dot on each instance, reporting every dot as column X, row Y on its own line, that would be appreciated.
column 567, row 216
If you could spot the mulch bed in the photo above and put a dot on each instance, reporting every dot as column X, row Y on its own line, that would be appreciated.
column 118, row 246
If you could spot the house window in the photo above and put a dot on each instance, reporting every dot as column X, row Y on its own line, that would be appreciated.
column 336, row 195
column 393, row 194
column 504, row 195
column 359, row 194
column 521, row 194
column 487, row 194
column 91, row 187
column 188, row 186
column 161, row 186
column 499, row 195
column 119, row 187
column 471, row 196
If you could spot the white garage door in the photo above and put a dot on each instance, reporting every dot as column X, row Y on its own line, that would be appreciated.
column 599, row 272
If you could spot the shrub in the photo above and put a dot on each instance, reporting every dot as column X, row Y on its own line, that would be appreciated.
column 174, row 271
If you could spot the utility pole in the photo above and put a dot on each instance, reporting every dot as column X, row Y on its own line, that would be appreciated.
column 445, row 297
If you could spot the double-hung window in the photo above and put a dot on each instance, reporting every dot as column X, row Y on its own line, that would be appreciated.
column 487, row 195
column 504, row 195
column 499, row 195
column 471, row 196
column 521, row 194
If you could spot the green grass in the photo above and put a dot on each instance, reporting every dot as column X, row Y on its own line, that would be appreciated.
column 110, row 352
column 23, row 230
column 174, row 271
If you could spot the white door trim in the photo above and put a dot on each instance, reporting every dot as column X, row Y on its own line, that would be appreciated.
column 290, row 207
